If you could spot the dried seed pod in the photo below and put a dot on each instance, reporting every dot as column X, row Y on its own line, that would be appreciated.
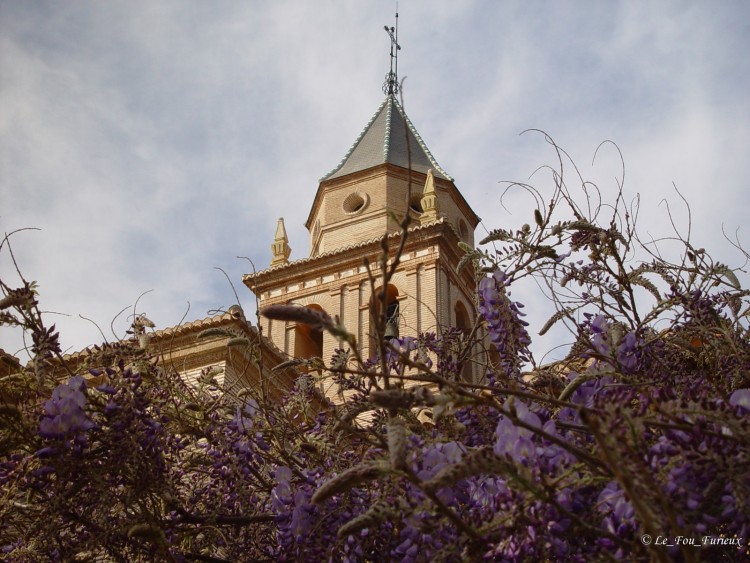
column 538, row 217
column 392, row 398
column 149, row 532
column 348, row 479
column 397, row 443
column 294, row 313
column 374, row 515
column 402, row 398
column 13, row 300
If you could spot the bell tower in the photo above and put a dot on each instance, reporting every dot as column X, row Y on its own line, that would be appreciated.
column 388, row 172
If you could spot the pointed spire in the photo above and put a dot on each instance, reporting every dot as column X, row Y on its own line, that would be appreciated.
column 383, row 141
column 280, row 247
column 429, row 200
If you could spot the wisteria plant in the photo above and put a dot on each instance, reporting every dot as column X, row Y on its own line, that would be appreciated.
column 635, row 446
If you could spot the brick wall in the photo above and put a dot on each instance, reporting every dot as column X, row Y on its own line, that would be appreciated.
column 356, row 209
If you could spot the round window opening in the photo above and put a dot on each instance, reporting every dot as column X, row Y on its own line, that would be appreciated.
column 355, row 202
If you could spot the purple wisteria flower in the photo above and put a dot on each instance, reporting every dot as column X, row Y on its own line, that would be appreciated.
column 599, row 340
column 281, row 495
column 741, row 399
column 506, row 328
column 612, row 501
column 516, row 441
column 64, row 412
column 436, row 457
column 627, row 352
column 619, row 514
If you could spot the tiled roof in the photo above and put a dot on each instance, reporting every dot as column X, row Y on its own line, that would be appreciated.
column 383, row 141
column 172, row 331
column 197, row 325
column 8, row 363
column 192, row 327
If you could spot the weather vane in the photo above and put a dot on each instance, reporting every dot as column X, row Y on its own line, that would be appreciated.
column 390, row 86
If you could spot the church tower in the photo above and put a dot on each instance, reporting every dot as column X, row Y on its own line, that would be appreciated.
column 388, row 172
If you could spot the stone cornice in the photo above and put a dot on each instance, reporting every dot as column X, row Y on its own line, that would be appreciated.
column 315, row 276
column 352, row 256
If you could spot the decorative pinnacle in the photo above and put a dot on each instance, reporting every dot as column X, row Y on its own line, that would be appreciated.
column 280, row 247
column 390, row 86
column 429, row 201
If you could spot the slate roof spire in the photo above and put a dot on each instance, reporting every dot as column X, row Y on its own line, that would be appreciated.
column 383, row 141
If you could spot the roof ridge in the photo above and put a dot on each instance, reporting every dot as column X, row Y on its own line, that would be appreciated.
column 377, row 145
column 387, row 136
column 356, row 141
column 169, row 331
column 421, row 142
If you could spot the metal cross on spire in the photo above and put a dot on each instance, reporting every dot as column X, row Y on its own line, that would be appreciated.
column 390, row 86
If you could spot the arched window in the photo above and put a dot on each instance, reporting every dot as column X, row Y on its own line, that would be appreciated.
column 463, row 320
column 389, row 300
column 415, row 204
column 463, row 231
column 308, row 340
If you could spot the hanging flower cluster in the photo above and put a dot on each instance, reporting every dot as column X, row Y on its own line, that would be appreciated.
column 506, row 328
column 64, row 413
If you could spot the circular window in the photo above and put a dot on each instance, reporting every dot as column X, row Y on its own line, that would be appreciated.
column 355, row 202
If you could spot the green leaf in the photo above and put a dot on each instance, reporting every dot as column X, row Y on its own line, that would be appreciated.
column 728, row 274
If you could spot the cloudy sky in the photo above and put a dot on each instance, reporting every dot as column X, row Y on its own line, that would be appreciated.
column 152, row 142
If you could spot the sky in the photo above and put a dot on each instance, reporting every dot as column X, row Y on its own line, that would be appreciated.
column 152, row 143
